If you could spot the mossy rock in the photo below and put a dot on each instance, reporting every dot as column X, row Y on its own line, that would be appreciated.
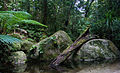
column 18, row 57
column 16, row 46
column 98, row 49
column 53, row 45
column 24, row 45
column 19, row 68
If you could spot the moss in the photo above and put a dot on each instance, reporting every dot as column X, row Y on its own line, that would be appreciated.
column 54, row 45
column 18, row 57
column 16, row 46
column 26, row 45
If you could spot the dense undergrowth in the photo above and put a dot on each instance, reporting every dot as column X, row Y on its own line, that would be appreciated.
column 10, row 23
column 11, row 20
column 6, row 47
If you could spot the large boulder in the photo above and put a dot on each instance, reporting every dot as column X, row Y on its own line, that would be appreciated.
column 98, row 49
column 52, row 46
column 18, row 57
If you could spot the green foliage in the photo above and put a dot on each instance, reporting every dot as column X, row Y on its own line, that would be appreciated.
column 9, row 20
column 71, row 16
column 37, row 32
column 34, row 50
column 8, row 39
column 54, row 14
column 32, row 22
column 19, row 14
column 105, row 20
column 6, row 47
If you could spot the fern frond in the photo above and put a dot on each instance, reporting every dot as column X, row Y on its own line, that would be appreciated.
column 9, row 18
column 32, row 22
column 19, row 14
column 8, row 39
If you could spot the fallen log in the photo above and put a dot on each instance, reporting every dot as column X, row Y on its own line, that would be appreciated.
column 70, row 49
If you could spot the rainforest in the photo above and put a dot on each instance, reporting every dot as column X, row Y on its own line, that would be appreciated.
column 59, row 36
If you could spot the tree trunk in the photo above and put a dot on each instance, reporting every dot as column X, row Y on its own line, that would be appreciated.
column 28, row 6
column 69, row 13
column 88, row 8
column 5, row 5
column 45, row 12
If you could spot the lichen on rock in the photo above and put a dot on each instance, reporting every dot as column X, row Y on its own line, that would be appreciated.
column 98, row 49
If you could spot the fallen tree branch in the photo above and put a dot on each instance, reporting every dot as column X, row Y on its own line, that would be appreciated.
column 70, row 49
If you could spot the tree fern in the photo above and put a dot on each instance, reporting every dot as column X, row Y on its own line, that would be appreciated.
column 8, row 20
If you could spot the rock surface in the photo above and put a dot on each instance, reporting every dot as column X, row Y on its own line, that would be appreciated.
column 18, row 57
column 24, row 45
column 52, row 46
column 98, row 49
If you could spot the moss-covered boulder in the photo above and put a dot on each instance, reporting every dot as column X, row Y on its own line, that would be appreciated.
column 18, row 57
column 52, row 46
column 98, row 49
column 9, row 44
column 24, row 45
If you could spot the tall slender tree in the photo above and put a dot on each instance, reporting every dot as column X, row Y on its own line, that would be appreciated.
column 45, row 12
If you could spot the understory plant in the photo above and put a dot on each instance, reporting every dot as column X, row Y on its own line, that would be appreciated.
column 6, row 47
column 9, row 20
